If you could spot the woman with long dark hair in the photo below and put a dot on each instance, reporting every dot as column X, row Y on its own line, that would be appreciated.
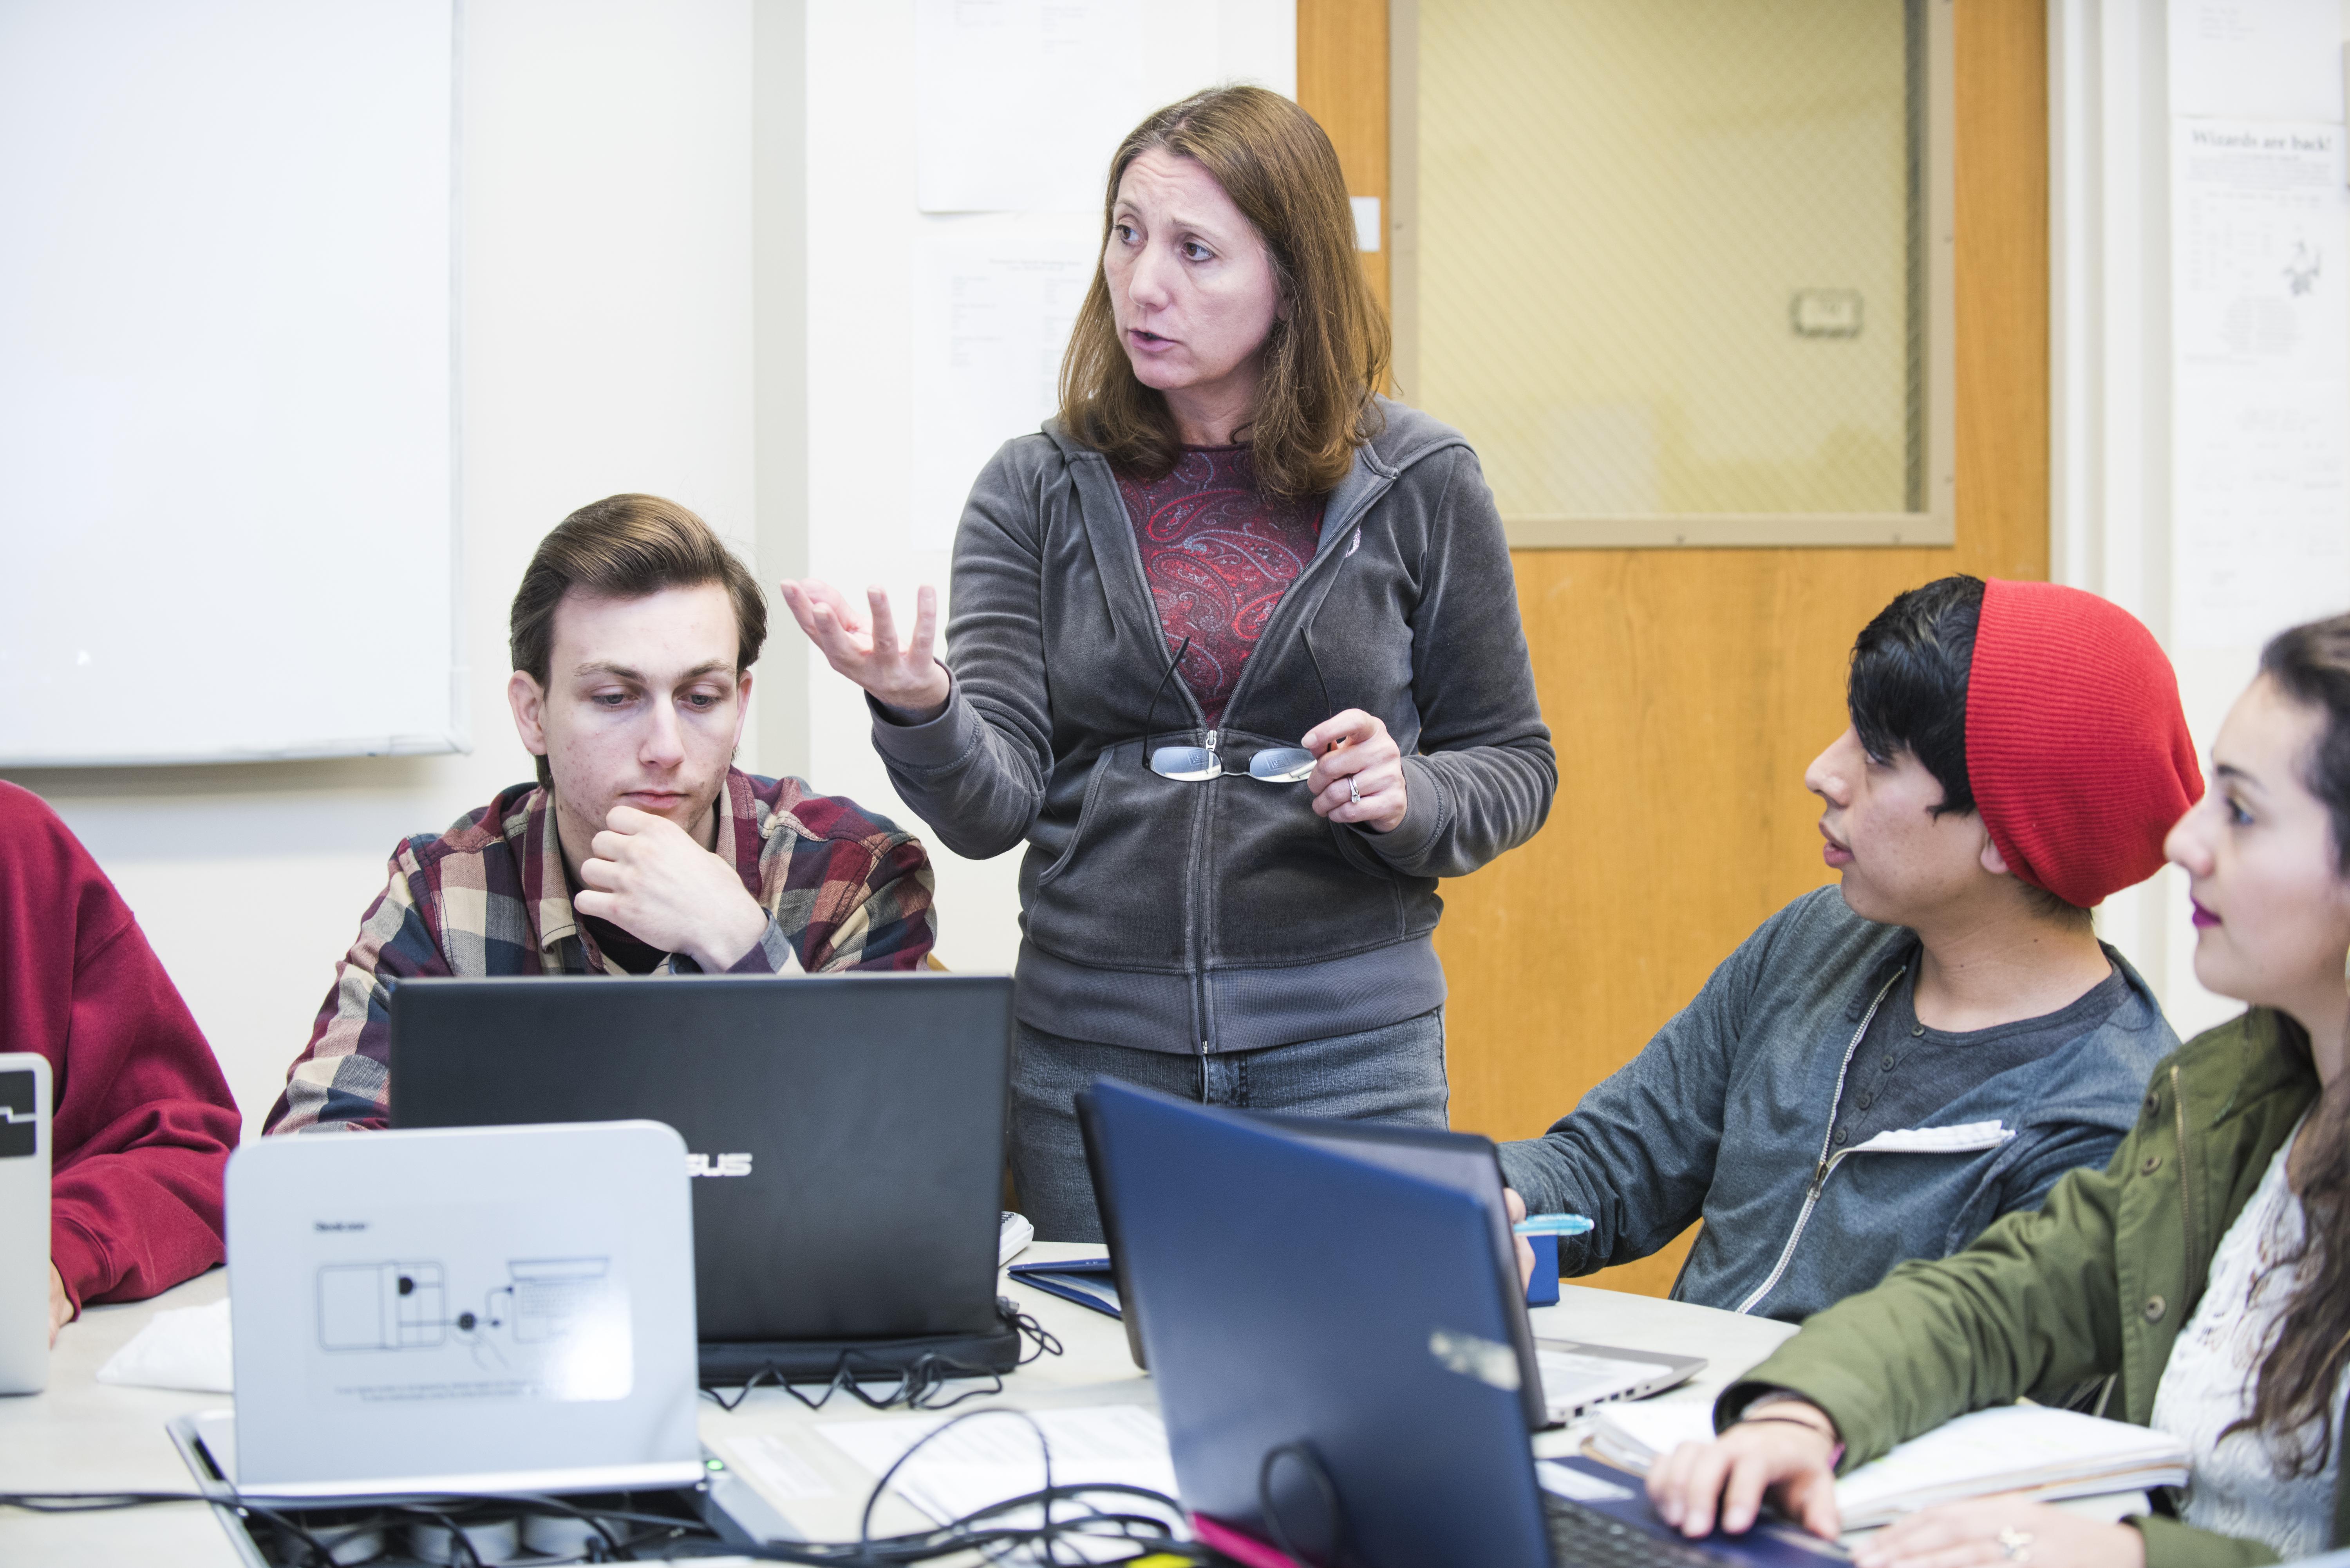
column 1235, row 650
column 2207, row 1269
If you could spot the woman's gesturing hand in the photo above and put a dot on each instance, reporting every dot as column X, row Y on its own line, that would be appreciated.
column 1360, row 777
column 1788, row 1456
column 864, row 646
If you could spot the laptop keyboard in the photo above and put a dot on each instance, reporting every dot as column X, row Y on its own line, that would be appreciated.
column 1582, row 1537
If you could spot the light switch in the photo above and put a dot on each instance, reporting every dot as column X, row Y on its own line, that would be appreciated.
column 1825, row 312
column 1367, row 222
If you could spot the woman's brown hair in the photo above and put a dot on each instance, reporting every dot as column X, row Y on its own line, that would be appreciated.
column 2303, row 1363
column 1323, row 361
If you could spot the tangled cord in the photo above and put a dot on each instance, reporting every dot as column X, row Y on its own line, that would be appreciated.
column 917, row 1384
column 981, row 1531
column 318, row 1539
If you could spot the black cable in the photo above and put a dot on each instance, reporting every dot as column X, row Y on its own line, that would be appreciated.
column 1150, row 1534
column 918, row 1384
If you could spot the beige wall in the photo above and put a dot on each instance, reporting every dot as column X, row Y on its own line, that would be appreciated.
column 1616, row 203
column 599, row 355
column 687, row 228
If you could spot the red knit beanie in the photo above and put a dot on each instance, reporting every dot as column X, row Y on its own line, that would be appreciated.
column 2076, row 749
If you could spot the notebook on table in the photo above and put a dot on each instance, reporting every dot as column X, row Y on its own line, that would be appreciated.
column 2048, row 1453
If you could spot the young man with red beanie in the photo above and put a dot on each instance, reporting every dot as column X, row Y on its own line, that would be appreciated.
column 141, row 1122
column 1886, row 1067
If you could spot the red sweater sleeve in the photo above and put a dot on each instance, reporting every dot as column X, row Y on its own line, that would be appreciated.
column 144, row 1122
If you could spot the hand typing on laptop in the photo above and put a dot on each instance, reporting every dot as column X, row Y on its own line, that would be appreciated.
column 1786, row 1448
column 646, row 875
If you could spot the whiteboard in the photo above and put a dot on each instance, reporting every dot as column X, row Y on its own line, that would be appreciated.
column 228, row 528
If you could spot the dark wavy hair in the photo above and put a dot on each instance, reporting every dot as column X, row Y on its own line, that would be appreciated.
column 2303, row 1362
column 1907, row 692
column 1323, row 362
column 625, row 547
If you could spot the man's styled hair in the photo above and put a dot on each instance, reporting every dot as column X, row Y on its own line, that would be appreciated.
column 1907, row 692
column 626, row 548
column 1322, row 362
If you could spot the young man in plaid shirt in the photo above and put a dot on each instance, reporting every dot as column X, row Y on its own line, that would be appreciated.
column 641, row 848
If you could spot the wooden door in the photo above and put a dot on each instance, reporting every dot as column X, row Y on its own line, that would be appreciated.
column 1686, row 689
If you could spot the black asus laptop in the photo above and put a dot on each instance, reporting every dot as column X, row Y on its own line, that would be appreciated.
column 846, row 1137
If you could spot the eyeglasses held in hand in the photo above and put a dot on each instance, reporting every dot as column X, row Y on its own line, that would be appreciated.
column 1197, row 764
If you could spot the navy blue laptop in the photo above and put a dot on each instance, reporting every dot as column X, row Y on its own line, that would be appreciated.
column 1343, row 1360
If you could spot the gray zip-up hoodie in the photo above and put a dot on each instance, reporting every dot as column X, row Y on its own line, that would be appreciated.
column 1225, row 916
column 1725, row 1116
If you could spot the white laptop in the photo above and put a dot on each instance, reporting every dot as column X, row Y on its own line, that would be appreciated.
column 471, row 1310
column 24, row 1222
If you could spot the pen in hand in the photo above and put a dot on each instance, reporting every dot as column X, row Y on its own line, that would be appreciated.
column 1552, row 1225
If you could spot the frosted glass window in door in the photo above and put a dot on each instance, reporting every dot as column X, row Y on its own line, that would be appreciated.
column 1671, row 252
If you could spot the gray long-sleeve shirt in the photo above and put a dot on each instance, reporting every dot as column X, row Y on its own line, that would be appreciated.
column 1728, row 1116
column 1225, row 915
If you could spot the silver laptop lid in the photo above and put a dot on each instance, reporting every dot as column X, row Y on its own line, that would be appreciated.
column 24, row 1222
column 481, row 1309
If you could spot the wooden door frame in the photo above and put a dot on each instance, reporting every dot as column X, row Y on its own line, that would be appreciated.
column 1354, row 75
column 1547, row 997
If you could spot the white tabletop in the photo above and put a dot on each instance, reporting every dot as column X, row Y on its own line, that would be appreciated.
column 85, row 1436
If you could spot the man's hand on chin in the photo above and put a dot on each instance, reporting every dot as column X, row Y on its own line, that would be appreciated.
column 649, row 878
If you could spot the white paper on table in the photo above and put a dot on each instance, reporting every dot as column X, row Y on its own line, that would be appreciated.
column 1634, row 1433
column 996, row 1457
column 2261, row 393
column 992, row 313
column 775, row 1470
column 2012, row 1448
column 183, row 1347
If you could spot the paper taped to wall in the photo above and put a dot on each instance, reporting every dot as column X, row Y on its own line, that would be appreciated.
column 991, row 316
column 2261, row 412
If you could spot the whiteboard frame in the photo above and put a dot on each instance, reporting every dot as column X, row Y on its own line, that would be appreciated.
column 456, row 736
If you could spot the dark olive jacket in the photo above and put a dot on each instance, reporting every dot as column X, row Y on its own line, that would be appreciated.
column 2099, row 1281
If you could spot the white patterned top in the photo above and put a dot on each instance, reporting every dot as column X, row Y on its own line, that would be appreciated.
column 2238, row 1487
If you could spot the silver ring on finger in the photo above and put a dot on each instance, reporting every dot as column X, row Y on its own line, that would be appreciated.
column 2015, row 1544
column 1354, row 796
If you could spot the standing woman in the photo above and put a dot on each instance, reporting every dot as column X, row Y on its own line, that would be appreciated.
column 1235, row 649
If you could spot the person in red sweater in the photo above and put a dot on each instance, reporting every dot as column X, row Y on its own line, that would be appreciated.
column 142, row 1124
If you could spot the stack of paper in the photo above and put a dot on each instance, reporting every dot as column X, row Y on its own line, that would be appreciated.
column 2048, row 1454
column 1012, row 1234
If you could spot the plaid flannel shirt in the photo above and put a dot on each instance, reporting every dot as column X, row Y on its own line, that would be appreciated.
column 843, row 890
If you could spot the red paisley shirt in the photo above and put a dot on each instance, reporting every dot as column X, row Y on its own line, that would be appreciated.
column 1218, row 556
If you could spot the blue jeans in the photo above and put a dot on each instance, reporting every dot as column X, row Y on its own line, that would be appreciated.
column 1394, row 1073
